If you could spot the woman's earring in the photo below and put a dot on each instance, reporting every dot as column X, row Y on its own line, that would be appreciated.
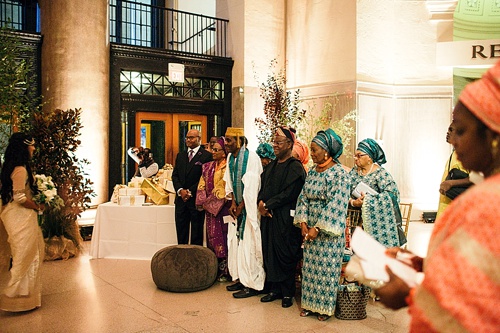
column 494, row 148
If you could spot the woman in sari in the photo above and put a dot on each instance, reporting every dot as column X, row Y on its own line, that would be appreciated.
column 460, row 290
column 321, row 214
column 211, row 196
column 21, row 242
column 379, row 211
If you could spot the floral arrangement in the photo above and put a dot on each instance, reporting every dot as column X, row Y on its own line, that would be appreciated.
column 329, row 117
column 47, row 192
column 281, row 107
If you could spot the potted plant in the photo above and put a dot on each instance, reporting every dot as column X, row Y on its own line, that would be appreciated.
column 55, row 157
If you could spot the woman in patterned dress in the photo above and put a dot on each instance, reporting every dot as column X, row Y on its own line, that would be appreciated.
column 380, row 212
column 212, row 184
column 321, row 214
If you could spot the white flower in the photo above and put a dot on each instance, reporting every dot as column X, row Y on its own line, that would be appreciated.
column 47, row 192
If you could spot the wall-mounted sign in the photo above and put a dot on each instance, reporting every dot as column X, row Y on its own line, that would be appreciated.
column 175, row 72
column 468, row 53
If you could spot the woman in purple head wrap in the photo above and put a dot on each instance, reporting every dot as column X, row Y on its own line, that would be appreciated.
column 211, row 196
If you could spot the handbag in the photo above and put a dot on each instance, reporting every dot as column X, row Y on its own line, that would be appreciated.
column 213, row 205
column 352, row 299
column 455, row 191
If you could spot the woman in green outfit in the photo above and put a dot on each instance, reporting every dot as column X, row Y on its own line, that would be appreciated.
column 321, row 214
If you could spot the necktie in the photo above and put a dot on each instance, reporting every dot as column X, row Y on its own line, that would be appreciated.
column 190, row 155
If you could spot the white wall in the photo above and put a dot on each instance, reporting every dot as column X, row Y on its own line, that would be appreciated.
column 404, row 99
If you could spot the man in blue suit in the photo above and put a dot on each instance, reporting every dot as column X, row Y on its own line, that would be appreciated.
column 185, row 176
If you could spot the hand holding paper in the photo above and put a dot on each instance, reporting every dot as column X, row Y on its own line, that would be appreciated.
column 373, row 259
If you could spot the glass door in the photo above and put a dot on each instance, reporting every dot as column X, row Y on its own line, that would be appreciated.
column 182, row 123
column 164, row 133
column 153, row 131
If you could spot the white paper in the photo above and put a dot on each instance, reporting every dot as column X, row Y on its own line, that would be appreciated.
column 363, row 188
column 228, row 219
column 373, row 260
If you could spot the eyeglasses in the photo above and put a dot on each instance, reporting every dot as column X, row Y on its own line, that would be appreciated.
column 358, row 156
column 279, row 143
column 217, row 149
column 191, row 137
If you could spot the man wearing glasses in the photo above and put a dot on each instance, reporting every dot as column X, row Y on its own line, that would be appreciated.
column 185, row 176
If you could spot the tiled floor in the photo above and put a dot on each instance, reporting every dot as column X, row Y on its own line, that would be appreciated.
column 109, row 295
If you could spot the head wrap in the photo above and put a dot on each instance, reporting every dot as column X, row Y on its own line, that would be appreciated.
column 235, row 132
column 265, row 150
column 482, row 98
column 300, row 148
column 331, row 142
column 221, row 140
column 372, row 148
column 286, row 132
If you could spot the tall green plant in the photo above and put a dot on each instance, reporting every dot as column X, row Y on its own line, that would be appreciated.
column 18, row 93
column 281, row 107
column 315, row 121
column 56, row 134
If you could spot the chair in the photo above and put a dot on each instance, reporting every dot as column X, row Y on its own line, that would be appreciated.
column 353, row 220
column 354, row 217
column 405, row 209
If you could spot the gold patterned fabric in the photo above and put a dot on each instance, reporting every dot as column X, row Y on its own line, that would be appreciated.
column 20, row 238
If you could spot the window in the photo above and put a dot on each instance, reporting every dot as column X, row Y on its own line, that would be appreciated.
column 133, row 82
column 136, row 22
column 17, row 15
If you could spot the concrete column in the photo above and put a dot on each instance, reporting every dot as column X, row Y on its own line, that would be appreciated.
column 256, row 36
column 75, row 74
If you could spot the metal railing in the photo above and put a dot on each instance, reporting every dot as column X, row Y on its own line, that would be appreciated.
column 140, row 24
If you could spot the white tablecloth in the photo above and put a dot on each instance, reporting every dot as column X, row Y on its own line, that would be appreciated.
column 132, row 232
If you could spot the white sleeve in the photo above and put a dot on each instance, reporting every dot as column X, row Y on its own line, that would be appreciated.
column 19, row 176
column 227, row 179
column 133, row 155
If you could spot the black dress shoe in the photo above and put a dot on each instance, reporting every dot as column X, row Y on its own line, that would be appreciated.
column 287, row 302
column 246, row 292
column 270, row 297
column 235, row 287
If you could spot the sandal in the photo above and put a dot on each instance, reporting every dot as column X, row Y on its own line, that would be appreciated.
column 323, row 317
column 305, row 313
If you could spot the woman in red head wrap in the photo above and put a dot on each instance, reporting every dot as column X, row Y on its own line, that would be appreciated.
column 459, row 292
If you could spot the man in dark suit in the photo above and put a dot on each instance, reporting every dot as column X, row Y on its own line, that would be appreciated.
column 185, row 176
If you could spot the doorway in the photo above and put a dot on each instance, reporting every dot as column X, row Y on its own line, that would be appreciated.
column 164, row 133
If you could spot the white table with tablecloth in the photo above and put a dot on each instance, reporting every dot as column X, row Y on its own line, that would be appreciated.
column 132, row 232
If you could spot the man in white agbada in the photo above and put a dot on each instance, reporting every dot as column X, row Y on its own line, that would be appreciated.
column 242, row 177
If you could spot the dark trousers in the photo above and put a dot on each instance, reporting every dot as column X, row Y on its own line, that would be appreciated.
column 186, row 217
column 285, row 287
